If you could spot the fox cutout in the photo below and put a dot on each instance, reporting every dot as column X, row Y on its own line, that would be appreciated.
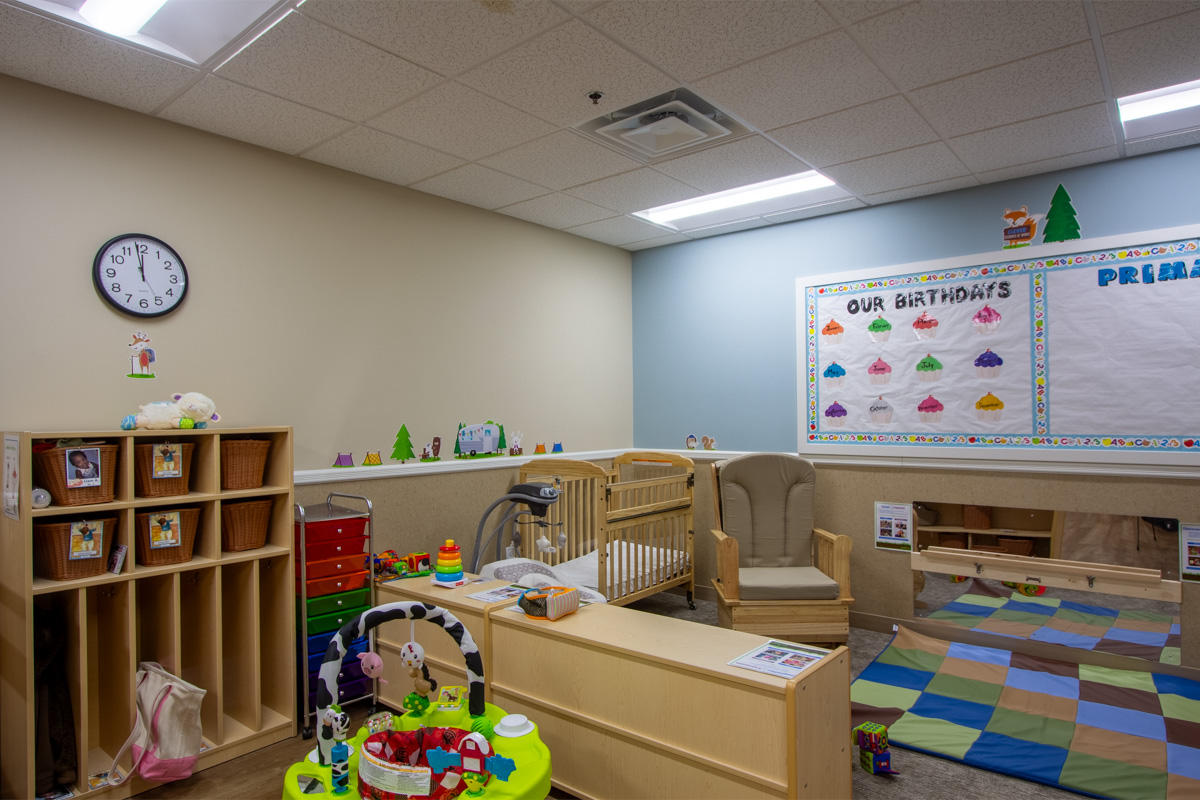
column 1016, row 217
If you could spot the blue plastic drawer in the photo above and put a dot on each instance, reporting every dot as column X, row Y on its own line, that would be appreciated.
column 346, row 691
column 315, row 657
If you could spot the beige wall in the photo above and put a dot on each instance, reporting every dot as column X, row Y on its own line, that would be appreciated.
column 328, row 301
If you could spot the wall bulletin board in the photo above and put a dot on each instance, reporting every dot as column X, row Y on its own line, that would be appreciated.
column 1088, row 349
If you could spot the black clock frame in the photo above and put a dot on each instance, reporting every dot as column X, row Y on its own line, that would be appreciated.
column 98, row 282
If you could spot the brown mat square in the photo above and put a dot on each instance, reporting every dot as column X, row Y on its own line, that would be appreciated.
column 1021, row 629
column 975, row 670
column 1022, row 661
column 1180, row 731
column 911, row 640
column 1036, row 703
column 1174, row 640
column 1117, row 647
column 860, row 713
column 1119, row 696
column 1181, row 788
column 1079, row 628
column 1142, row 625
column 1120, row 747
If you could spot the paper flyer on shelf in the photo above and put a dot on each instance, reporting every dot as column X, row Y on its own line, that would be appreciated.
column 781, row 659
column 1189, row 551
column 893, row 526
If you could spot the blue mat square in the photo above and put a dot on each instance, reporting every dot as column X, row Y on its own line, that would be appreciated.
column 1183, row 760
column 1123, row 720
column 960, row 712
column 984, row 655
column 1086, row 609
column 1030, row 681
column 1169, row 684
column 1177, row 628
column 1063, row 637
column 969, row 608
column 1138, row 637
column 892, row 675
column 1030, row 608
column 1005, row 754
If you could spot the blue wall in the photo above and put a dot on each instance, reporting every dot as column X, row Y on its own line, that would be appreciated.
column 714, row 320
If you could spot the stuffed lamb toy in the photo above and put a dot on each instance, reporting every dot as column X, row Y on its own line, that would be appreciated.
column 190, row 410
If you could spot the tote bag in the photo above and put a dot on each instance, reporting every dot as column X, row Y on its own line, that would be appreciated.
column 166, row 734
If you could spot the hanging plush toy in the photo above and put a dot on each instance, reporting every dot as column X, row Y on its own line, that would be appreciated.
column 372, row 665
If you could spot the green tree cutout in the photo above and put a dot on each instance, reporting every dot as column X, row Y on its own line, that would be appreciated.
column 402, row 450
column 1061, row 223
column 503, row 442
column 457, row 449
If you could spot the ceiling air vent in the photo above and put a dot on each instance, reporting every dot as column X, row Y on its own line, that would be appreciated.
column 664, row 126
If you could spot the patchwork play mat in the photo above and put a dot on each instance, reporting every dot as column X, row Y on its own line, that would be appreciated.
column 1104, row 732
column 1140, row 634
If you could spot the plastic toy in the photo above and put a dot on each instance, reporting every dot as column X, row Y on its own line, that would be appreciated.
column 372, row 665
column 418, row 564
column 340, row 770
column 344, row 460
column 372, row 459
column 431, row 752
column 449, row 570
column 190, row 410
column 1027, row 589
column 873, row 753
column 388, row 564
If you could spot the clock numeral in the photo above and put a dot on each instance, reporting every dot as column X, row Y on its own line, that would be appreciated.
column 170, row 292
column 128, row 297
column 143, row 303
column 117, row 259
column 110, row 272
column 158, row 301
column 167, row 265
column 174, row 279
column 125, row 250
column 116, row 287
column 143, row 248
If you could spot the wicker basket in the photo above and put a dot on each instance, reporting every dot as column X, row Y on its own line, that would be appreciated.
column 977, row 517
column 50, row 472
column 958, row 540
column 147, row 485
column 147, row 556
column 244, row 525
column 52, row 548
column 1017, row 547
column 242, row 462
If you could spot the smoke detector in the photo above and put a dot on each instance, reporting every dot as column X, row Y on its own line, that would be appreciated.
column 667, row 125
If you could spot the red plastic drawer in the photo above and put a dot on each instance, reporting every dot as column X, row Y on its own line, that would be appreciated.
column 329, row 530
column 337, row 565
column 336, row 583
column 338, row 547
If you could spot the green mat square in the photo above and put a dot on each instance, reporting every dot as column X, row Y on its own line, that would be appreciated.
column 1146, row 616
column 1180, row 707
column 913, row 659
column 982, row 600
column 1071, row 615
column 1170, row 655
column 957, row 618
column 1026, row 617
column 1109, row 778
column 880, row 695
column 965, row 689
column 1118, row 677
column 1032, row 728
column 1053, row 602
column 936, row 735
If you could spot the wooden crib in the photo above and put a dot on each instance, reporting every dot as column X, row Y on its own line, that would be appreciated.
column 625, row 532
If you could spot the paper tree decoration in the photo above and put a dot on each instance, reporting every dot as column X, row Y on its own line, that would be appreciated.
column 372, row 459
column 402, row 450
column 503, row 441
column 1061, row 223
column 457, row 449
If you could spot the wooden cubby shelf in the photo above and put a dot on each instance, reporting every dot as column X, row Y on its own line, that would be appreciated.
column 1040, row 530
column 224, row 621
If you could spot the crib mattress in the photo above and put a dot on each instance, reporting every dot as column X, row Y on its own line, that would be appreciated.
column 641, row 566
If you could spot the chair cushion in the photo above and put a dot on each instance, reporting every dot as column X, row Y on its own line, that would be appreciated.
column 785, row 583
column 767, row 505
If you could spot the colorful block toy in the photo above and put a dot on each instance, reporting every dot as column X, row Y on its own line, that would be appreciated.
column 873, row 753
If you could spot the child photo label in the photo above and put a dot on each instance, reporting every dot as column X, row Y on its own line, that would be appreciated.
column 164, row 529
column 85, row 540
column 168, row 460
column 83, row 467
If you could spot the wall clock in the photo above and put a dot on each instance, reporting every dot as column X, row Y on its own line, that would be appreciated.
column 140, row 275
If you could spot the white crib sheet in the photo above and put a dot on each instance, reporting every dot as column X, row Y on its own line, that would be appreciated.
column 641, row 566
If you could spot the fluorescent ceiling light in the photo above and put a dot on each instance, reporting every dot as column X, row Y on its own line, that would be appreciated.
column 1173, row 108
column 768, row 197
column 120, row 17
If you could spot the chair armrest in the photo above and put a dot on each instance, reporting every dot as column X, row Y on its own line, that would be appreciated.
column 727, row 564
column 831, row 555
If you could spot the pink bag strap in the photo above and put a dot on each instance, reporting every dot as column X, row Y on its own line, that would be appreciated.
column 151, row 735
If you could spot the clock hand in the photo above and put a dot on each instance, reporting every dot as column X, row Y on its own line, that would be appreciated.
column 141, row 261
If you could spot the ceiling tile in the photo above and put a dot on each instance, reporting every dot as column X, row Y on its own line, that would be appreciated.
column 236, row 111
column 619, row 231
column 310, row 63
column 693, row 38
column 461, row 121
column 927, row 42
column 848, row 204
column 634, row 191
column 867, row 130
column 54, row 54
column 378, row 155
column 728, row 227
column 579, row 6
column 1167, row 142
column 908, row 192
column 550, row 76
column 659, row 241
column 479, row 186
column 1050, row 165
column 556, row 211
column 854, row 10
column 1032, row 87
column 1116, row 15
column 1073, row 131
column 560, row 160
column 805, row 81
column 728, row 166
column 443, row 36
column 917, row 165
column 1155, row 55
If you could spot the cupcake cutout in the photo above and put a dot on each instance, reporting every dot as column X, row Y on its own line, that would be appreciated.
column 834, row 374
column 880, row 372
column 832, row 332
column 835, row 415
column 988, row 364
column 925, row 326
column 989, row 408
column 930, row 409
column 881, row 410
column 986, row 320
column 880, row 330
column 929, row 369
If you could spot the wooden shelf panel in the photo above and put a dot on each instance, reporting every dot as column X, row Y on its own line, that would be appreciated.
column 153, row 502
column 46, row 586
column 1005, row 532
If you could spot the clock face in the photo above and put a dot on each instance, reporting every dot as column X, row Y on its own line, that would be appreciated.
column 140, row 275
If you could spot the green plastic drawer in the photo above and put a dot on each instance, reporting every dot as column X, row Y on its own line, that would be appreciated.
column 331, row 622
column 330, row 603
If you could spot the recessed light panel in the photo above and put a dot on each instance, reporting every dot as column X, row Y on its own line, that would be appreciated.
column 1167, row 110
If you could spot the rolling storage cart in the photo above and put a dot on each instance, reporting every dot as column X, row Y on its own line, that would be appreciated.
column 334, row 583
